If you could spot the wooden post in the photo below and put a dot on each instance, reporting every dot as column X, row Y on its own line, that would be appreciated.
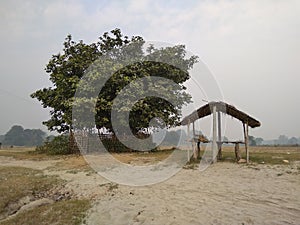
column 198, row 149
column 245, row 128
column 198, row 146
column 193, row 142
column 237, row 151
column 188, row 136
column 214, row 143
column 247, row 142
column 219, row 136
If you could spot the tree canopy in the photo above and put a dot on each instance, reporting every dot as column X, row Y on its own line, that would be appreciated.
column 66, row 68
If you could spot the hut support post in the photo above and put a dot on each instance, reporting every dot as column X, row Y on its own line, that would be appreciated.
column 214, row 143
column 237, row 151
column 188, row 137
column 194, row 142
column 246, row 137
column 219, row 136
column 247, row 142
column 198, row 147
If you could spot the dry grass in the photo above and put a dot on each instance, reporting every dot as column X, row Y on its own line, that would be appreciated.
column 72, row 162
column 258, row 154
column 17, row 149
column 142, row 157
column 268, row 155
column 23, row 153
column 18, row 182
column 68, row 212
column 266, row 149
column 264, row 154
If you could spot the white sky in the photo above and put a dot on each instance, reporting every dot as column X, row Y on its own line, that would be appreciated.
column 251, row 47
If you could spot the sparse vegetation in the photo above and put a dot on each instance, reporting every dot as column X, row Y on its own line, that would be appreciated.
column 25, row 154
column 67, row 212
column 260, row 155
column 19, row 182
column 59, row 145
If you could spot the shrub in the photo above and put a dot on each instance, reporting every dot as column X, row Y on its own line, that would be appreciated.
column 115, row 145
column 59, row 145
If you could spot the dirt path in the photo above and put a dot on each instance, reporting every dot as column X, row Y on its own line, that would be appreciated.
column 225, row 193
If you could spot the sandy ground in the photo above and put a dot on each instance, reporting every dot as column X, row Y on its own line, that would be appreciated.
column 225, row 193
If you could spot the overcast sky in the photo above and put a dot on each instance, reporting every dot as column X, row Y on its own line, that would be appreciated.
column 251, row 47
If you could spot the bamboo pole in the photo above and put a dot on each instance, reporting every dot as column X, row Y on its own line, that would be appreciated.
column 214, row 143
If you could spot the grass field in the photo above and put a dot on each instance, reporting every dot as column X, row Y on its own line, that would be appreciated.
column 265, row 154
column 25, row 153
column 258, row 154
column 19, row 183
column 20, row 186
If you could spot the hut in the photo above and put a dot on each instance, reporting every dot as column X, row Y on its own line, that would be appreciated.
column 216, row 108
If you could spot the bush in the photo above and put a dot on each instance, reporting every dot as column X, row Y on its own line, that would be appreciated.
column 113, row 144
column 59, row 145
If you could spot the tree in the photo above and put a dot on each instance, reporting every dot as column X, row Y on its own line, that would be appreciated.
column 67, row 68
column 150, row 107
column 293, row 141
column 259, row 140
column 252, row 141
column 282, row 140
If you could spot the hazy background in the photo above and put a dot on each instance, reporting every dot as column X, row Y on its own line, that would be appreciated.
column 251, row 47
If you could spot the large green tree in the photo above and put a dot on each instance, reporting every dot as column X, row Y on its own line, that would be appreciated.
column 69, row 66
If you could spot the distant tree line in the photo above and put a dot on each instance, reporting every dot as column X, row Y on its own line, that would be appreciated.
column 19, row 136
column 283, row 140
column 172, row 138
column 253, row 141
column 175, row 137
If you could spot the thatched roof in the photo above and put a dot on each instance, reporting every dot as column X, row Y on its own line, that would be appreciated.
column 207, row 109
